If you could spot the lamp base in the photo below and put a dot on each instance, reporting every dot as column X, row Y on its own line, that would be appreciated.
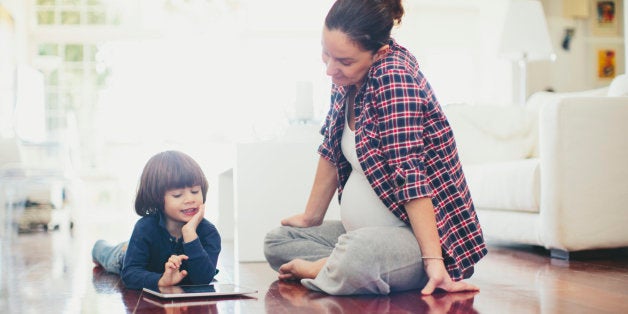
column 523, row 89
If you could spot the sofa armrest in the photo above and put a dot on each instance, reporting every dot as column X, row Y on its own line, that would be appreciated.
column 584, row 173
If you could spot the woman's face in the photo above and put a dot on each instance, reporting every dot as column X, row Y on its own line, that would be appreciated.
column 346, row 62
column 181, row 204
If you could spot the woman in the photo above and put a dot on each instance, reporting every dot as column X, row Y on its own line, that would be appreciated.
column 408, row 220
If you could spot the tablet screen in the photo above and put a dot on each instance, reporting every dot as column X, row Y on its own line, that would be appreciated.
column 187, row 291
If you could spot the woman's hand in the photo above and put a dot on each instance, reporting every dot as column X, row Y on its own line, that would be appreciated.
column 439, row 278
column 188, row 230
column 423, row 222
column 323, row 190
column 172, row 275
column 300, row 221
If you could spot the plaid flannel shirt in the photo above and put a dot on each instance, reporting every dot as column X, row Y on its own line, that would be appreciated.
column 407, row 150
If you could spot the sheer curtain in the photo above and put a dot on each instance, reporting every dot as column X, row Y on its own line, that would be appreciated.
column 215, row 72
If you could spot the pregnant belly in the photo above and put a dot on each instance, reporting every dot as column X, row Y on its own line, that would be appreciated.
column 361, row 207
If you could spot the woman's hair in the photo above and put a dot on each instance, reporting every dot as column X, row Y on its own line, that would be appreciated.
column 368, row 23
column 165, row 171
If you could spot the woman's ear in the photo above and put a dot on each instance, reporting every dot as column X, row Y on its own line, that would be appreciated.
column 381, row 52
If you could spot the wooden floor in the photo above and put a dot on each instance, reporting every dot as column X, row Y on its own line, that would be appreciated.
column 52, row 272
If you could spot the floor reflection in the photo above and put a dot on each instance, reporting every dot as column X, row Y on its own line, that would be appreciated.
column 104, row 282
column 138, row 302
column 52, row 272
column 155, row 305
column 39, row 271
column 292, row 297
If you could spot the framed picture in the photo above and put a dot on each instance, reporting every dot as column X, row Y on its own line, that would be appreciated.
column 606, row 17
column 607, row 62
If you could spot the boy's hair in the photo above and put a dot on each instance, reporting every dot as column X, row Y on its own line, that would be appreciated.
column 165, row 171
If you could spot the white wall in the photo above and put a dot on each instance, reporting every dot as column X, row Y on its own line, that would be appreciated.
column 456, row 44
column 573, row 70
column 565, row 61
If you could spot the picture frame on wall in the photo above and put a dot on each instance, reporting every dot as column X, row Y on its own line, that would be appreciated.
column 606, row 64
column 607, row 61
column 606, row 17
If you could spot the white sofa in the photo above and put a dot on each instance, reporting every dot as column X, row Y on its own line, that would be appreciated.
column 553, row 173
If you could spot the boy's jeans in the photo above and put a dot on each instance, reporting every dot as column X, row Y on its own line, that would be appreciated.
column 108, row 256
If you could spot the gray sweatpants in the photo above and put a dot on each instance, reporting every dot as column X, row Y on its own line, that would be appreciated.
column 371, row 260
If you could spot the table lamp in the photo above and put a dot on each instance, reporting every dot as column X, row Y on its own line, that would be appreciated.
column 525, row 38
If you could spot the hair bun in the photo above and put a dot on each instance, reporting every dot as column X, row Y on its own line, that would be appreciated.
column 396, row 10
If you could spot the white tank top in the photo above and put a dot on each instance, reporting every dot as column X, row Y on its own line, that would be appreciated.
column 360, row 205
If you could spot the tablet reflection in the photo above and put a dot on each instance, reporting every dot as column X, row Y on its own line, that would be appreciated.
column 171, row 290
column 150, row 304
column 292, row 297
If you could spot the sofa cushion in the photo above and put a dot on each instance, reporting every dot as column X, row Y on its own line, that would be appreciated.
column 619, row 86
column 510, row 185
column 491, row 133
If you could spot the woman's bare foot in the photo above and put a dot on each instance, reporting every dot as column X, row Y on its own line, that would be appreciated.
column 298, row 269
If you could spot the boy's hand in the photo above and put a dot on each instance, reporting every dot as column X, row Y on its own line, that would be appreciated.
column 172, row 275
column 189, row 229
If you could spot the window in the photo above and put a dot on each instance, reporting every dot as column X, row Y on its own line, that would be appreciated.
column 68, row 36
column 76, row 12
column 174, row 70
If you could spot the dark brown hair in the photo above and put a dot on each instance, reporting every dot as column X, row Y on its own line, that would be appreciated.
column 165, row 171
column 368, row 23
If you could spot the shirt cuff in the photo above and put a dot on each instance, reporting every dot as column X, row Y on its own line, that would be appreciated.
column 326, row 153
column 193, row 249
column 410, row 184
column 152, row 281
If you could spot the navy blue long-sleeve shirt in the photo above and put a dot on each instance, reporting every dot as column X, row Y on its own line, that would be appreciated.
column 151, row 245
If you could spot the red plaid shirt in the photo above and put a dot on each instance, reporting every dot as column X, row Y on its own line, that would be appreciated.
column 407, row 149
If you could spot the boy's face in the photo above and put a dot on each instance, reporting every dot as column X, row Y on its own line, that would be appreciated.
column 180, row 205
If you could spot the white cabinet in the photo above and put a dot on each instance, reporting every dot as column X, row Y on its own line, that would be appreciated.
column 270, row 180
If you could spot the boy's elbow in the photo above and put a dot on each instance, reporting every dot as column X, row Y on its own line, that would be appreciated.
column 130, row 282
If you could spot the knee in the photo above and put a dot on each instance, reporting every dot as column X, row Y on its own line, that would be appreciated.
column 357, row 245
column 275, row 237
column 350, row 259
column 354, row 267
column 272, row 240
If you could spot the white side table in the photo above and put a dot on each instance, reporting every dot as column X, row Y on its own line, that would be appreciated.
column 270, row 180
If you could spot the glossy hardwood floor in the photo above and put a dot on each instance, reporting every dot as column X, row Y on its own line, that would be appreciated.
column 52, row 272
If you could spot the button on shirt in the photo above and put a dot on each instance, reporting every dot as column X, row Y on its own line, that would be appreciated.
column 407, row 149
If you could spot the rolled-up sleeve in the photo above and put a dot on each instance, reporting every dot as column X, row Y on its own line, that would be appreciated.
column 326, row 148
column 401, row 125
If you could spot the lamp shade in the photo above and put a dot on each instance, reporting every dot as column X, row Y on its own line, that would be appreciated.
column 525, row 33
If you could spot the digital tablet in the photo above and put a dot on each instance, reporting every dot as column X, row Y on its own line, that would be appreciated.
column 191, row 291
